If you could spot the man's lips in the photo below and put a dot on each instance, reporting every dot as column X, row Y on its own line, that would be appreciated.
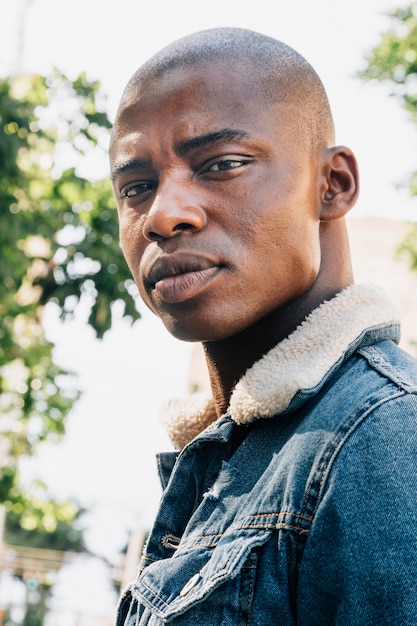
column 179, row 278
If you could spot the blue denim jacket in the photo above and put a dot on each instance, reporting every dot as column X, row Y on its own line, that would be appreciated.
column 307, row 516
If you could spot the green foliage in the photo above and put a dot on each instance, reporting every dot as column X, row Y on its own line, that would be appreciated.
column 394, row 62
column 39, row 523
column 394, row 59
column 408, row 248
column 59, row 243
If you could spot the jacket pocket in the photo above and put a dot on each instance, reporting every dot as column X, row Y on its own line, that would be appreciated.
column 210, row 581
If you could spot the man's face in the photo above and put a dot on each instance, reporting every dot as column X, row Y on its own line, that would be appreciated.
column 218, row 201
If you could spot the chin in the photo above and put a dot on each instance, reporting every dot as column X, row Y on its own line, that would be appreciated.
column 188, row 334
column 200, row 331
column 187, row 327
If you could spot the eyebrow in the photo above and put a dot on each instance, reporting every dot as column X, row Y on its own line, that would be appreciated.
column 225, row 134
column 184, row 147
column 132, row 164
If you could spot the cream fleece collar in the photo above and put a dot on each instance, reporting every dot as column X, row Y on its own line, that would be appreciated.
column 297, row 363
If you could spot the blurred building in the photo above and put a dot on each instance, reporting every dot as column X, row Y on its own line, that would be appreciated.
column 374, row 243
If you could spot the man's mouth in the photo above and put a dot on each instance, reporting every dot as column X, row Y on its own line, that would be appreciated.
column 180, row 278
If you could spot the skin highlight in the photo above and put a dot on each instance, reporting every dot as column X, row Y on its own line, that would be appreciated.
column 231, row 206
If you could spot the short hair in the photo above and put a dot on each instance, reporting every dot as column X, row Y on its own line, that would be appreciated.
column 281, row 73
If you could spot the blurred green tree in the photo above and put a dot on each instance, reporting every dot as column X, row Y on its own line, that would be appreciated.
column 59, row 243
column 37, row 522
column 53, row 528
column 394, row 62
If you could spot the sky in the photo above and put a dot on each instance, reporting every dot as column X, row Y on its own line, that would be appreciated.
column 106, row 460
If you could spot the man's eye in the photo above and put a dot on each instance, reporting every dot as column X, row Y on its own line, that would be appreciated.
column 136, row 189
column 224, row 166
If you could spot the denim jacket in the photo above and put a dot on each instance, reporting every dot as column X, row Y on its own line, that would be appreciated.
column 298, row 506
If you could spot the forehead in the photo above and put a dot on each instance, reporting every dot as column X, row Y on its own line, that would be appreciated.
column 192, row 101
column 226, row 78
column 202, row 95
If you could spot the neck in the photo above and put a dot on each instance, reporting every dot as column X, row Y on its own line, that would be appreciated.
column 229, row 359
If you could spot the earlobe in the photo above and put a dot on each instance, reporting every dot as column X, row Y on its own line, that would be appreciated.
column 340, row 187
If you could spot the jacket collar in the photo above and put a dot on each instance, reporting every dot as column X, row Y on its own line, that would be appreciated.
column 298, row 363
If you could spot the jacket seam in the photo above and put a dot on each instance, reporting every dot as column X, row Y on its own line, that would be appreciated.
column 324, row 466
column 378, row 362
column 212, row 540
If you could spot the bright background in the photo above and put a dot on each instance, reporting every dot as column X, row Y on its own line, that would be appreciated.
column 106, row 461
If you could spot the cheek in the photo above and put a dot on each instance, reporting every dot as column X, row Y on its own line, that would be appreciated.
column 292, row 260
column 132, row 244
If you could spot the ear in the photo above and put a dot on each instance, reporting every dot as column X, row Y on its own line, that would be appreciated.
column 340, row 187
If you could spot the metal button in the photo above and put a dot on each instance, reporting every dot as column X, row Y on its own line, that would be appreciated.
column 188, row 586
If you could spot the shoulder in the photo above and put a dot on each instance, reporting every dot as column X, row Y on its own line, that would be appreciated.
column 372, row 474
column 379, row 429
column 392, row 362
column 368, row 421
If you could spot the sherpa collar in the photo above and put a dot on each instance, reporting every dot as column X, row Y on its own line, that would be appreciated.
column 297, row 363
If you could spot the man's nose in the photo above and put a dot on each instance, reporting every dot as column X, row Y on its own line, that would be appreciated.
column 175, row 210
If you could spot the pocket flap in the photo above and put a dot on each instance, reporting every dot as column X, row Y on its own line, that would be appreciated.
column 171, row 586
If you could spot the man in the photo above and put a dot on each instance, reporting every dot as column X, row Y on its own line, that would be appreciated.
column 292, row 497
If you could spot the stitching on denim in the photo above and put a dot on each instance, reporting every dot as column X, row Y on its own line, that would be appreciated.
column 281, row 514
column 278, row 525
column 210, row 536
column 326, row 462
column 332, row 449
column 299, row 529
column 379, row 363
column 154, row 593
column 212, row 540
column 149, row 558
column 251, row 568
column 138, row 615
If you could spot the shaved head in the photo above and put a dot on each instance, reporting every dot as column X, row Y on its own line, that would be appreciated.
column 278, row 72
